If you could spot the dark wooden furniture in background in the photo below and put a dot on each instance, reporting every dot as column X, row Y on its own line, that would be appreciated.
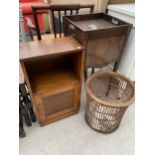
column 26, row 111
column 103, row 36
column 53, row 71
column 56, row 11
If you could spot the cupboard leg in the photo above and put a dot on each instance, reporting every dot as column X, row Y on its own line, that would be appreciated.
column 115, row 67
column 85, row 74
column 92, row 70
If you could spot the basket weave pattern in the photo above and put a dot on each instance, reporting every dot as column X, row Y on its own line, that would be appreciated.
column 108, row 96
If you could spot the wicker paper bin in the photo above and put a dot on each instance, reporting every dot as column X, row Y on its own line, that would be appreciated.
column 108, row 96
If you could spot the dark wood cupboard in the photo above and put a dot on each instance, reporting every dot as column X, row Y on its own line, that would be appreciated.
column 53, row 71
column 103, row 37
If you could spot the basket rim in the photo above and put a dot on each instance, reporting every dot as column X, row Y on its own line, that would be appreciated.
column 99, row 101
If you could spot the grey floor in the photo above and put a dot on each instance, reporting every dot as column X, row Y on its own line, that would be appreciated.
column 72, row 136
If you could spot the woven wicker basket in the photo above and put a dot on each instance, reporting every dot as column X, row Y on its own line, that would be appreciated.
column 108, row 96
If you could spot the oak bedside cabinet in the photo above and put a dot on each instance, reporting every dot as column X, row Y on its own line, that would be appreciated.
column 53, row 71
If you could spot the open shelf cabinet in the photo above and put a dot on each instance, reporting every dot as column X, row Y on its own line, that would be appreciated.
column 54, row 81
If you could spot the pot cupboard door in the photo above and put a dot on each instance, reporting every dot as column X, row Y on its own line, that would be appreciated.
column 55, row 104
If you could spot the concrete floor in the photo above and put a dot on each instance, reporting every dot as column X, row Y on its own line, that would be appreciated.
column 72, row 136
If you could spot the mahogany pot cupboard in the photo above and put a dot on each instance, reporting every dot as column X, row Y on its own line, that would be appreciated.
column 103, row 37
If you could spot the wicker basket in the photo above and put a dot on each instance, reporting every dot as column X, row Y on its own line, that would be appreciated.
column 108, row 96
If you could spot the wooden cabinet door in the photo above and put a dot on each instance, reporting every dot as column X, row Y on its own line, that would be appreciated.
column 57, row 103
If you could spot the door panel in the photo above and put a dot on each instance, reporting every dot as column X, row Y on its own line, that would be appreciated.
column 57, row 102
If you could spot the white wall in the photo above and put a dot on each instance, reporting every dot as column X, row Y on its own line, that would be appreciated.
column 126, row 13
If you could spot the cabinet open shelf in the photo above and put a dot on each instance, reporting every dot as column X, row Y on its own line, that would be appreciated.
column 53, row 71
column 55, row 78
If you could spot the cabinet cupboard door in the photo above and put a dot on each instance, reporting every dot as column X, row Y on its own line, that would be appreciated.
column 55, row 103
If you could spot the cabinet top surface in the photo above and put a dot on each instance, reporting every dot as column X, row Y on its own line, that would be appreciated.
column 89, row 25
column 97, row 21
column 42, row 48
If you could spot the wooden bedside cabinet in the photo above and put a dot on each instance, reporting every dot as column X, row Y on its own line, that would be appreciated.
column 53, row 71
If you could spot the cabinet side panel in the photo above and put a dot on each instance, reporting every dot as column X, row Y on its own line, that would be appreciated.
column 78, row 61
column 27, row 79
column 56, row 104
column 103, row 50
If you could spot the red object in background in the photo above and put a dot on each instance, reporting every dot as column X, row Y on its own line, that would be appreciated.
column 27, row 12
